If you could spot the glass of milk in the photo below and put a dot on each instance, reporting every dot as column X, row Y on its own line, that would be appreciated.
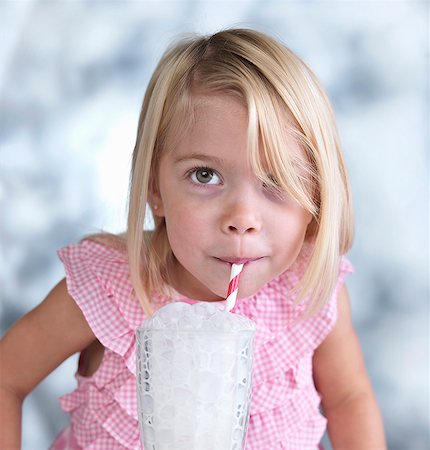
column 194, row 365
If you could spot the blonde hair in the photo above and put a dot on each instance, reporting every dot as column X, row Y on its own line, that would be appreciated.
column 282, row 95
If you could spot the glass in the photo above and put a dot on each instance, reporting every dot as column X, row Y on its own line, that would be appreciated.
column 194, row 388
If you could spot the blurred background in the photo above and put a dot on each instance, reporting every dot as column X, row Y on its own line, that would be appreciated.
column 72, row 78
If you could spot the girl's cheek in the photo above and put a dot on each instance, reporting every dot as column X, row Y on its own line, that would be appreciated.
column 190, row 220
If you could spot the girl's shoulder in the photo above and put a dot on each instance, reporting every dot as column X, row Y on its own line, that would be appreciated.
column 96, row 264
column 98, row 280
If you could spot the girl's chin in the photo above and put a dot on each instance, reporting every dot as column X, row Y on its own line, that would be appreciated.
column 206, row 288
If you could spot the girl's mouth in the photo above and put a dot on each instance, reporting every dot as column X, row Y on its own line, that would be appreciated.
column 239, row 260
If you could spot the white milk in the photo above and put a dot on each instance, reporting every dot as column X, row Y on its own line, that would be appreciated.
column 194, row 367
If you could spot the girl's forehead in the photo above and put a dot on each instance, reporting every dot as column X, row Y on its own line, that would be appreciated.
column 205, row 117
column 218, row 124
column 207, row 101
column 215, row 125
column 221, row 106
column 216, row 111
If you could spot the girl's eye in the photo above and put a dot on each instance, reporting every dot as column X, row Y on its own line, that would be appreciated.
column 204, row 175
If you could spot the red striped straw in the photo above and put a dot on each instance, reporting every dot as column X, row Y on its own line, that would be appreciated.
column 233, row 286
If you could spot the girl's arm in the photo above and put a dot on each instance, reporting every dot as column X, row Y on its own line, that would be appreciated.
column 33, row 348
column 348, row 401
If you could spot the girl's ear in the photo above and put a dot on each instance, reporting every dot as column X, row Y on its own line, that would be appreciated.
column 154, row 197
column 156, row 203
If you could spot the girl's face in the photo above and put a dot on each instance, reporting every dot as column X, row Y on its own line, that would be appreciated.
column 218, row 212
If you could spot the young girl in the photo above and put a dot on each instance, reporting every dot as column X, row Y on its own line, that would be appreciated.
column 238, row 157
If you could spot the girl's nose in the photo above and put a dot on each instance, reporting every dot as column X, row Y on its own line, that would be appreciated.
column 241, row 219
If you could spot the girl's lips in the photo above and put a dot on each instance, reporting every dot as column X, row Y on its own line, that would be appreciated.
column 233, row 260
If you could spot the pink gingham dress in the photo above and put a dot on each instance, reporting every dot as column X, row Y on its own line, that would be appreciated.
column 285, row 404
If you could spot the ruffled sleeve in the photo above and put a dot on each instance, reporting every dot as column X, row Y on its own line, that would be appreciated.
column 285, row 405
column 103, row 408
column 98, row 279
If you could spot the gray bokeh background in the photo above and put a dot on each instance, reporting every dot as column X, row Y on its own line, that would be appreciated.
column 72, row 77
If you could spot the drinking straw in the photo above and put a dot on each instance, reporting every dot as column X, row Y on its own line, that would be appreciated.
column 233, row 286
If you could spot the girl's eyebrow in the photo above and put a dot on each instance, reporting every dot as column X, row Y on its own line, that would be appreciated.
column 201, row 156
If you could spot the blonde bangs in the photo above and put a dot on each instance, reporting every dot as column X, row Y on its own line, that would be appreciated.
column 274, row 160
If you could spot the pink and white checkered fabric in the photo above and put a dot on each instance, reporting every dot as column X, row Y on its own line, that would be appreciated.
column 103, row 408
